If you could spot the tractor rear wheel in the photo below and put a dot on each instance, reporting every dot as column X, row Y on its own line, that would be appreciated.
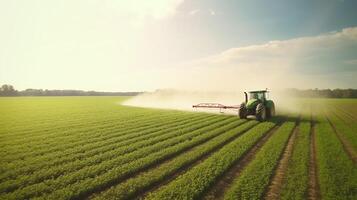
column 271, row 111
column 260, row 112
column 242, row 111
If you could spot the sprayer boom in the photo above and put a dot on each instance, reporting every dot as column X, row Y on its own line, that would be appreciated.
column 214, row 105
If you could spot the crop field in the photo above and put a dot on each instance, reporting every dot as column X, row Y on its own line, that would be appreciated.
column 95, row 148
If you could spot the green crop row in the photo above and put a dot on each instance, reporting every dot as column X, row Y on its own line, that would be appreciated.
column 295, row 185
column 18, row 129
column 91, row 184
column 111, row 141
column 343, row 129
column 56, row 137
column 91, row 149
column 253, row 180
column 68, row 131
column 194, row 182
column 129, row 188
column 63, row 122
column 70, row 148
column 346, row 106
column 67, row 137
column 345, row 118
column 122, row 165
column 115, row 153
column 337, row 174
column 41, row 114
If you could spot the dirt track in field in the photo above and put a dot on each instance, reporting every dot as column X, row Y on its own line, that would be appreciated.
column 276, row 182
column 222, row 184
column 313, row 188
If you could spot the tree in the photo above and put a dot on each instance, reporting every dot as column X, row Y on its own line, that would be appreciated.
column 7, row 90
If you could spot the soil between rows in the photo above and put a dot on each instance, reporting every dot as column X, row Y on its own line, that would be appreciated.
column 313, row 188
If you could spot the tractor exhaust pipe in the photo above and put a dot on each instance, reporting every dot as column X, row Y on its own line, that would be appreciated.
column 246, row 97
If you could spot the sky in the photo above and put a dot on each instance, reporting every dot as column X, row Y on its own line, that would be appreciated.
column 140, row 45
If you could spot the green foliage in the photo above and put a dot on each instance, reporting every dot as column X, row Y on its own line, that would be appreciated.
column 193, row 183
column 134, row 185
column 73, row 147
column 337, row 173
column 344, row 130
column 104, row 155
column 255, row 177
column 297, row 177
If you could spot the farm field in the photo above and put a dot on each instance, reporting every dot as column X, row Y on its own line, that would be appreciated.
column 95, row 148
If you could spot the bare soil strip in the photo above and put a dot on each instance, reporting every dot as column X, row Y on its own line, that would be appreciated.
column 142, row 194
column 218, row 189
column 313, row 191
column 276, row 182
column 346, row 145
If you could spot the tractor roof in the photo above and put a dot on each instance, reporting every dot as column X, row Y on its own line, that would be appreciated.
column 258, row 91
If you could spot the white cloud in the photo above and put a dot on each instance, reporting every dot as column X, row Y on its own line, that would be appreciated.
column 300, row 62
column 286, row 50
column 203, row 12
column 194, row 12
column 138, row 12
column 157, row 9
column 351, row 62
column 212, row 12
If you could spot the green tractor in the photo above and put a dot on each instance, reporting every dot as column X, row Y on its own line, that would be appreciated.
column 258, row 105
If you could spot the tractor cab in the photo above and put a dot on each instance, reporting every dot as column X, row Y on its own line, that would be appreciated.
column 255, row 97
column 259, row 95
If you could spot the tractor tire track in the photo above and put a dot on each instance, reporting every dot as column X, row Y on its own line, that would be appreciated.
column 156, row 186
column 278, row 177
column 218, row 189
column 313, row 188
column 346, row 145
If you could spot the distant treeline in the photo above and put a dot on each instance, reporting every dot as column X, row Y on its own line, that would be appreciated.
column 9, row 90
column 324, row 93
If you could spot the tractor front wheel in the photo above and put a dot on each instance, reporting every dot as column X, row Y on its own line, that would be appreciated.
column 260, row 112
column 242, row 111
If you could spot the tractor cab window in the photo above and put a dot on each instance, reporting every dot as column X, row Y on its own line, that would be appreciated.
column 260, row 96
column 253, row 96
